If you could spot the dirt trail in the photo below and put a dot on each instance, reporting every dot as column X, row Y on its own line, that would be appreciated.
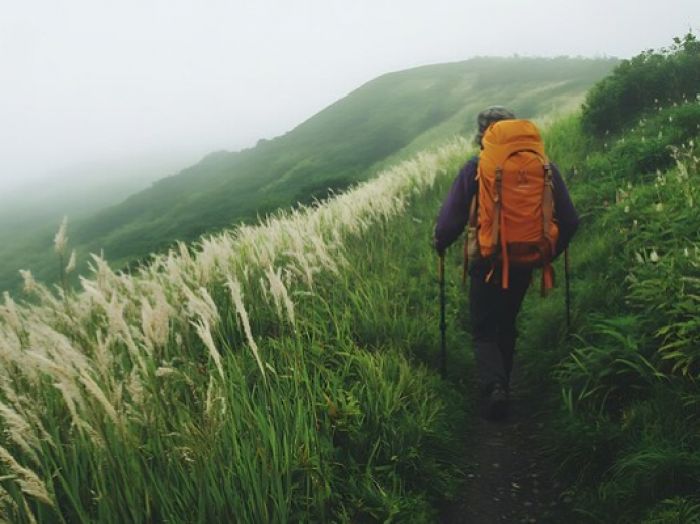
column 510, row 476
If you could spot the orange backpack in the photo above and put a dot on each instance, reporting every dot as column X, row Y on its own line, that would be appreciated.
column 511, row 219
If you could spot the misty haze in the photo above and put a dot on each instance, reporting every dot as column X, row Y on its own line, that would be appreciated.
column 220, row 225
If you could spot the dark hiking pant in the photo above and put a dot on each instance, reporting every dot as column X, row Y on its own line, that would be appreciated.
column 493, row 312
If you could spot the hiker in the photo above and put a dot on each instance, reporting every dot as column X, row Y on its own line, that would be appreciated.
column 497, row 283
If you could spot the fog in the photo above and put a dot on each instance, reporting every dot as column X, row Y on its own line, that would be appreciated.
column 89, row 81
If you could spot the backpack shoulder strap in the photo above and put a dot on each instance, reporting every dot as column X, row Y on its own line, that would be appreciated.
column 472, row 222
column 548, row 200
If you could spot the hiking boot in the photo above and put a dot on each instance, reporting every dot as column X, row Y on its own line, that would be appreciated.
column 495, row 405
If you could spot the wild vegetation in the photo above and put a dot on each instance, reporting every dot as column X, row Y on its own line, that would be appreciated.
column 382, row 122
column 286, row 371
column 649, row 80
column 628, row 428
column 270, row 373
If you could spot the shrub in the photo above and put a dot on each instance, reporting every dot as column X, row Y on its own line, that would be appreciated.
column 650, row 79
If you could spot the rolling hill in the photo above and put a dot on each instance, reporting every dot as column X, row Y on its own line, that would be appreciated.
column 381, row 122
column 287, row 371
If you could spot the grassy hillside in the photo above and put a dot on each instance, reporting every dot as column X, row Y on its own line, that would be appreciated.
column 268, row 374
column 376, row 125
column 625, row 384
column 285, row 372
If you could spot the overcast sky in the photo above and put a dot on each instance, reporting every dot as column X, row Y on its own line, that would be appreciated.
column 91, row 80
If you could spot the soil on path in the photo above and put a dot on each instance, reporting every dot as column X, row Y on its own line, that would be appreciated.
column 510, row 477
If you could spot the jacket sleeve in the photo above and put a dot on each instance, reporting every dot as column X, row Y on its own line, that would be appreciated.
column 566, row 215
column 454, row 212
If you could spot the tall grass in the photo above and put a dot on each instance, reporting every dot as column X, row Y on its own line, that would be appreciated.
column 627, row 429
column 283, row 372
column 261, row 375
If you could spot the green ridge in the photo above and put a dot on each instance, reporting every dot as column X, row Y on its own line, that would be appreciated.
column 383, row 121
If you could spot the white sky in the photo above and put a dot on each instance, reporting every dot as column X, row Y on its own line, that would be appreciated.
column 92, row 80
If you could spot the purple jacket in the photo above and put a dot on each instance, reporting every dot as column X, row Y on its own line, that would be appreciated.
column 454, row 213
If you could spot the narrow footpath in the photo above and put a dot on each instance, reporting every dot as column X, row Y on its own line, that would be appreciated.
column 510, row 477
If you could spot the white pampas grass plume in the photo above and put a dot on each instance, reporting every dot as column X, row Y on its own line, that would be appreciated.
column 237, row 297
column 184, row 253
column 322, row 254
column 32, row 287
column 134, row 385
column 263, row 288
column 19, row 430
column 10, row 314
column 155, row 319
column 164, row 371
column 72, row 397
column 97, row 393
column 204, row 332
column 279, row 293
column 29, row 482
column 105, row 278
column 103, row 356
column 201, row 305
column 70, row 267
column 209, row 403
column 28, row 281
column 212, row 310
column 61, row 239
column 115, row 312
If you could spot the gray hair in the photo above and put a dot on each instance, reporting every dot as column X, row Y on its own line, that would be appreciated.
column 489, row 116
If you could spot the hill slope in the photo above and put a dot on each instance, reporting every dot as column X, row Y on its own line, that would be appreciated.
column 277, row 373
column 380, row 122
column 260, row 376
column 624, row 387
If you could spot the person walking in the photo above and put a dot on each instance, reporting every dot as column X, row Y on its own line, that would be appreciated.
column 521, row 192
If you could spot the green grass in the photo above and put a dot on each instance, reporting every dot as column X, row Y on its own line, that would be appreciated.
column 113, row 414
column 626, row 378
column 349, row 421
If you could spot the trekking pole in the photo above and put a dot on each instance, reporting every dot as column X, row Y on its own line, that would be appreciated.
column 567, row 276
column 443, row 325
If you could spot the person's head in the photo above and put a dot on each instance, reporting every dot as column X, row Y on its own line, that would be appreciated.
column 489, row 116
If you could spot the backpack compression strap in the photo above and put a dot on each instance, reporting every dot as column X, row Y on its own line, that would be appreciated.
column 471, row 224
column 499, row 233
column 547, row 219
column 499, row 229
